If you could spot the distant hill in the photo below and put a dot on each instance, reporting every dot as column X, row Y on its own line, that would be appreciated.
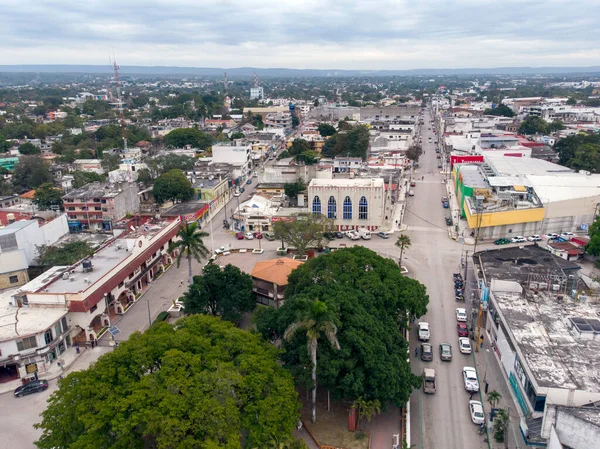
column 282, row 72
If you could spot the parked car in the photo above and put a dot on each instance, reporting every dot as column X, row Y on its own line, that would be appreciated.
column 352, row 235
column 339, row 235
column 35, row 386
column 444, row 199
column 383, row 235
column 518, row 239
column 470, row 379
column 476, row 412
column 567, row 235
column 448, row 221
column 249, row 181
column 445, row 352
column 534, row 238
column 269, row 236
column 249, row 236
column 464, row 345
column 413, row 183
column 463, row 330
column 242, row 190
column 236, row 193
column 329, row 235
column 424, row 333
column 552, row 235
column 258, row 235
column 426, row 352
column 239, row 235
column 501, row 241
column 461, row 315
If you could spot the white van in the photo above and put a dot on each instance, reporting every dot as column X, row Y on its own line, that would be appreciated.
column 364, row 233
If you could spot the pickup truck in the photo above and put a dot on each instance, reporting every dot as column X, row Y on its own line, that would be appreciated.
column 424, row 333
column 429, row 380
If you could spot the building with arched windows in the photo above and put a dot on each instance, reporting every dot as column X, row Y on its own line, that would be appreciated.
column 351, row 203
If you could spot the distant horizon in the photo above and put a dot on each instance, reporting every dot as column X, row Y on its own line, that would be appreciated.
column 287, row 71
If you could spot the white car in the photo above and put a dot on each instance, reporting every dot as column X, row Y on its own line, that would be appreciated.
column 236, row 193
column 464, row 345
column 352, row 235
column 552, row 235
column 461, row 315
column 424, row 333
column 476, row 411
column 567, row 235
column 534, row 238
column 518, row 239
column 249, row 236
column 470, row 379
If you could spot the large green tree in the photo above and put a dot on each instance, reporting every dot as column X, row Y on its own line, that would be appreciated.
column 414, row 152
column 199, row 383
column 303, row 231
column 46, row 196
column 63, row 255
column 190, row 244
column 28, row 149
column 30, row 173
column 372, row 302
column 326, row 130
column 501, row 110
column 292, row 189
column 220, row 292
column 353, row 142
column 533, row 125
column 579, row 151
column 178, row 138
column 163, row 164
column 81, row 178
column 172, row 186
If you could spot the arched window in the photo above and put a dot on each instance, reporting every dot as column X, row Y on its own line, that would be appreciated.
column 331, row 208
column 363, row 209
column 316, row 206
column 347, row 208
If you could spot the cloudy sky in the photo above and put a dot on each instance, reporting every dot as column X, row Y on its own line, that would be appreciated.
column 326, row 34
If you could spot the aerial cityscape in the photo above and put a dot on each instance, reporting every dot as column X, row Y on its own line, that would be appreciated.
column 300, row 225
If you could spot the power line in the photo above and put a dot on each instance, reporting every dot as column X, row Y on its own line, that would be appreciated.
column 426, row 221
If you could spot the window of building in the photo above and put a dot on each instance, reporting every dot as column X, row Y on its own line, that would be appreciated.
column 103, row 201
column 97, row 208
column 347, row 208
column 331, row 207
column 65, row 326
column 13, row 279
column 26, row 343
column 93, row 308
column 316, row 206
column 70, row 208
column 121, row 285
column 96, row 200
column 48, row 336
column 363, row 209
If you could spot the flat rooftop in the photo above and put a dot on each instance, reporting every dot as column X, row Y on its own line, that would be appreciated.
column 93, row 190
column 557, row 356
column 19, row 322
column 521, row 264
column 189, row 207
column 589, row 414
column 522, row 166
column 347, row 182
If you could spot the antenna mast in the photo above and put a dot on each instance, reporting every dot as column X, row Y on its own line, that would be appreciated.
column 225, row 84
column 120, row 105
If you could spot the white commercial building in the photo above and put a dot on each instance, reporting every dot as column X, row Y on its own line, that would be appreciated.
column 240, row 156
column 351, row 203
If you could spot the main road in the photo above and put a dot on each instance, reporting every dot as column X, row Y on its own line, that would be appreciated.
column 440, row 420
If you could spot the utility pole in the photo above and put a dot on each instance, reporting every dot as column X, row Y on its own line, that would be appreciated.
column 480, row 315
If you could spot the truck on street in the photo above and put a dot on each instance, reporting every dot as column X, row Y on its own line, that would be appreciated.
column 429, row 380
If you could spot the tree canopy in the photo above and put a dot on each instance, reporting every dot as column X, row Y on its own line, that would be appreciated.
column 28, row 149
column 303, row 231
column 501, row 110
column 30, row 173
column 172, row 186
column 580, row 152
column 81, row 178
column 352, row 143
column 166, row 163
column 371, row 302
column 178, row 138
column 533, row 125
column 67, row 254
column 302, row 152
column 199, row 383
column 226, row 293
column 46, row 196
column 414, row 152
column 292, row 189
column 326, row 130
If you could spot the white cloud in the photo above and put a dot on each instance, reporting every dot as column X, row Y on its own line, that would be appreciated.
column 379, row 34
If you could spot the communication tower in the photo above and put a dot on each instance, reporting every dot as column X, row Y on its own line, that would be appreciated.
column 120, row 104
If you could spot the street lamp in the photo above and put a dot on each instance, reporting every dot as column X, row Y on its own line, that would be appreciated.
column 112, row 337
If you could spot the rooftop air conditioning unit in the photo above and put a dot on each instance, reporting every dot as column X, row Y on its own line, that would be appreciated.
column 555, row 287
column 65, row 275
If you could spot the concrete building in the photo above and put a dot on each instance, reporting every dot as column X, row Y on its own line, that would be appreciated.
column 257, row 93
column 107, row 283
column 334, row 113
column 95, row 206
column 281, row 120
column 388, row 113
column 351, row 203
column 237, row 155
column 347, row 164
column 543, row 326
column 89, row 165
column 270, row 278
column 509, row 196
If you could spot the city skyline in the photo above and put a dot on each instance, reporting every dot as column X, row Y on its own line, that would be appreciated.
column 393, row 35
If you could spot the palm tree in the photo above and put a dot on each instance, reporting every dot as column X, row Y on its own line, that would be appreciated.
column 493, row 398
column 190, row 242
column 367, row 409
column 403, row 243
column 316, row 321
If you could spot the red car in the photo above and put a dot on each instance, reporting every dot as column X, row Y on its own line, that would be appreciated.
column 463, row 330
column 239, row 235
column 258, row 235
